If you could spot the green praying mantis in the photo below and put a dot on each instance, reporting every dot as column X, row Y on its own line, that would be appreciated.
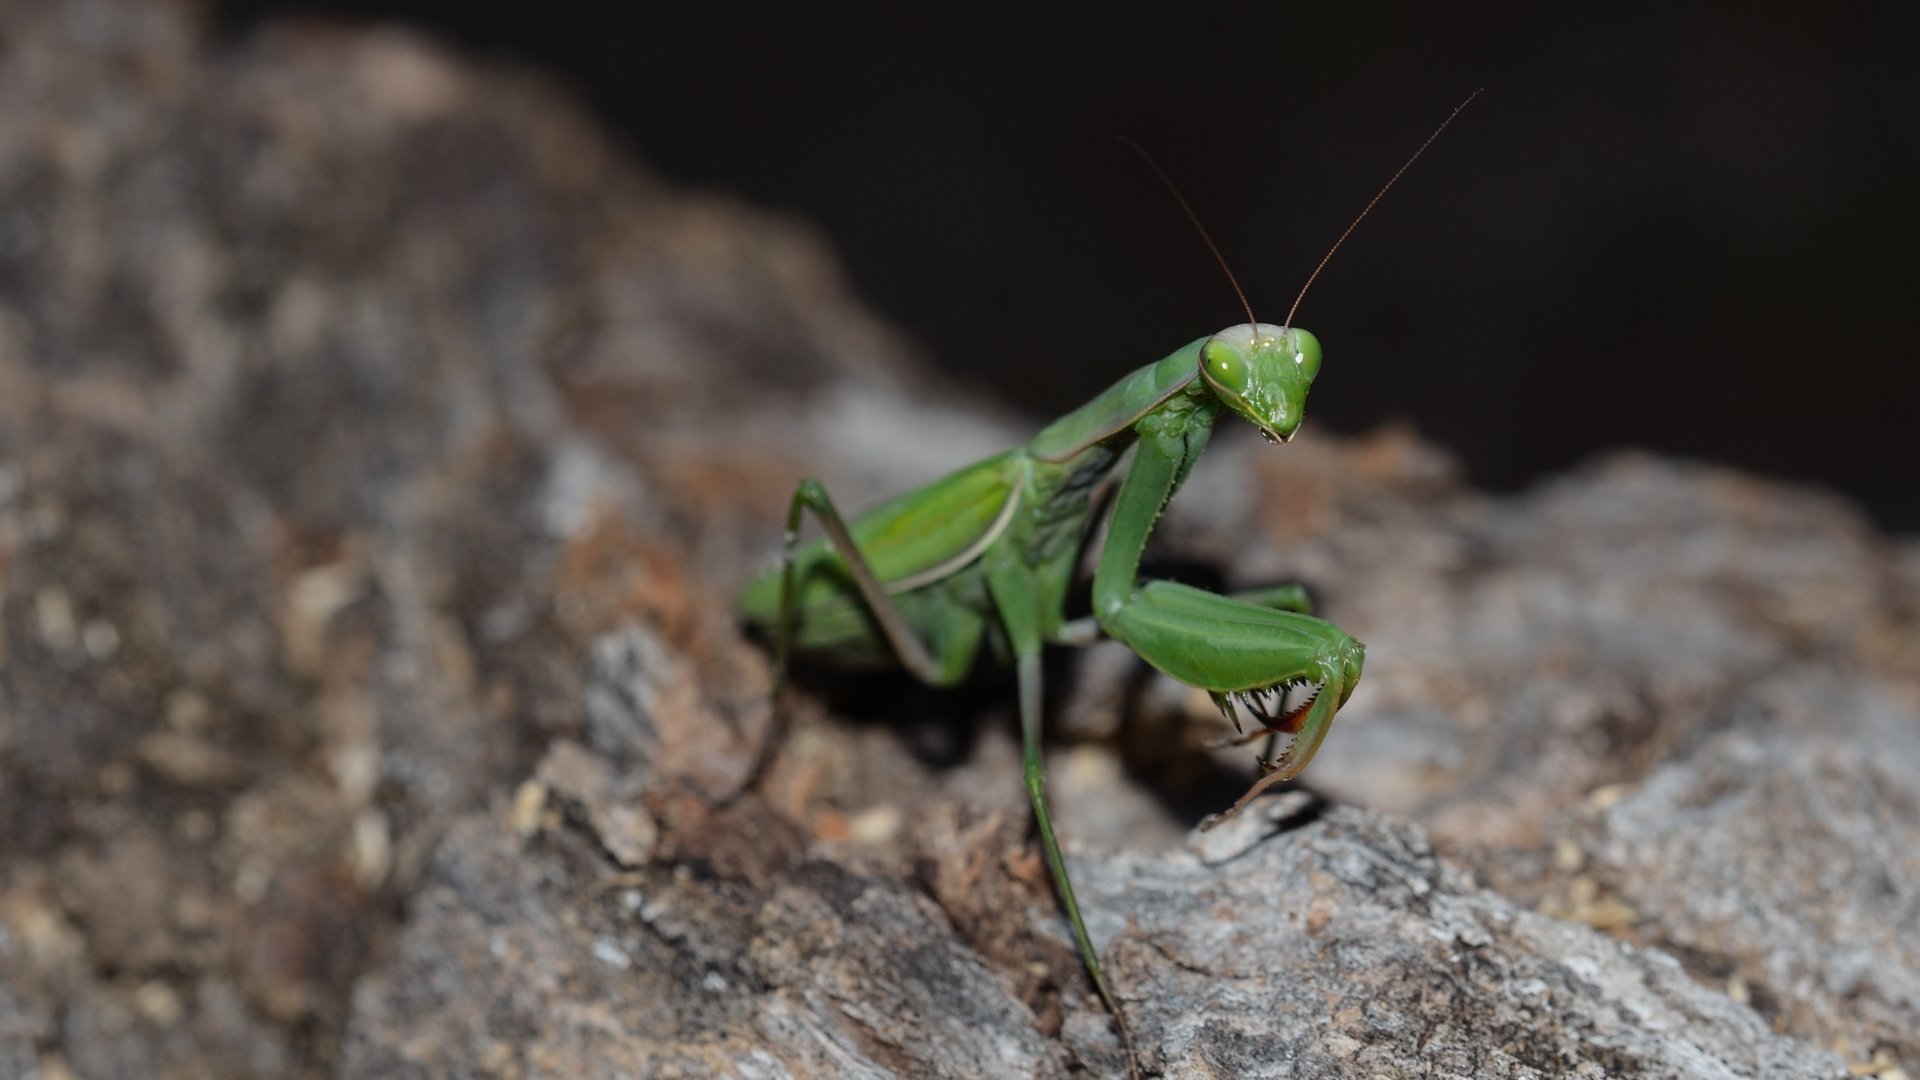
column 987, row 553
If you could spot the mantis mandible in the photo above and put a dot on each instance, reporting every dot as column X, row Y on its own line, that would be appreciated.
column 989, row 551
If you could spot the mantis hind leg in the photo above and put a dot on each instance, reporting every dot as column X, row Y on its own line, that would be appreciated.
column 957, row 639
column 911, row 651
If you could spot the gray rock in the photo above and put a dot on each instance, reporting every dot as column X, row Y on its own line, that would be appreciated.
column 1296, row 941
column 1784, row 858
column 671, row 972
column 1346, row 948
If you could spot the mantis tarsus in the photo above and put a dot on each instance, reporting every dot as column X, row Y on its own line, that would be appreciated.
column 989, row 551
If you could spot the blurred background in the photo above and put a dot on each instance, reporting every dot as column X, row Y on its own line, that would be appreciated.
column 1683, row 230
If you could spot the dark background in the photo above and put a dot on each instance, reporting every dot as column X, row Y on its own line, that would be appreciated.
column 1674, row 229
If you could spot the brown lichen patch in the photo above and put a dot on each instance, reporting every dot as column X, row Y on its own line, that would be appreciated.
column 610, row 573
column 981, row 869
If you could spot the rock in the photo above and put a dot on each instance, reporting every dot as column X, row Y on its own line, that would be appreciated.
column 1540, row 664
column 1783, row 857
column 304, row 533
column 370, row 704
column 1297, row 941
column 1344, row 947
column 579, row 779
column 550, row 959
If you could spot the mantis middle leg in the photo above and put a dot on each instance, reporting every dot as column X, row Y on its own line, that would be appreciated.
column 1017, row 595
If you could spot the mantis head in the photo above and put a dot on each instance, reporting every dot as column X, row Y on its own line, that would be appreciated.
column 1262, row 372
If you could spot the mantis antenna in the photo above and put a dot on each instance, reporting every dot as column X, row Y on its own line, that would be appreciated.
column 1199, row 228
column 1328, row 257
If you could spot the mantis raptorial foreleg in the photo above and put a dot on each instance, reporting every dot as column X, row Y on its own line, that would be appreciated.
column 1317, row 716
column 1084, row 631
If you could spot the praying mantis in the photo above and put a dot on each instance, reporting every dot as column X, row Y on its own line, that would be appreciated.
column 989, row 552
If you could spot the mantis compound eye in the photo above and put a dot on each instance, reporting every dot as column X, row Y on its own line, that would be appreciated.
column 1306, row 353
column 1224, row 367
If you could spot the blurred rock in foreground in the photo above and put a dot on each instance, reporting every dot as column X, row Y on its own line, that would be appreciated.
column 379, row 448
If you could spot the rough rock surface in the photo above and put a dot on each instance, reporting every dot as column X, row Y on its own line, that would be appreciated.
column 369, row 704
column 1335, row 945
column 1348, row 948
